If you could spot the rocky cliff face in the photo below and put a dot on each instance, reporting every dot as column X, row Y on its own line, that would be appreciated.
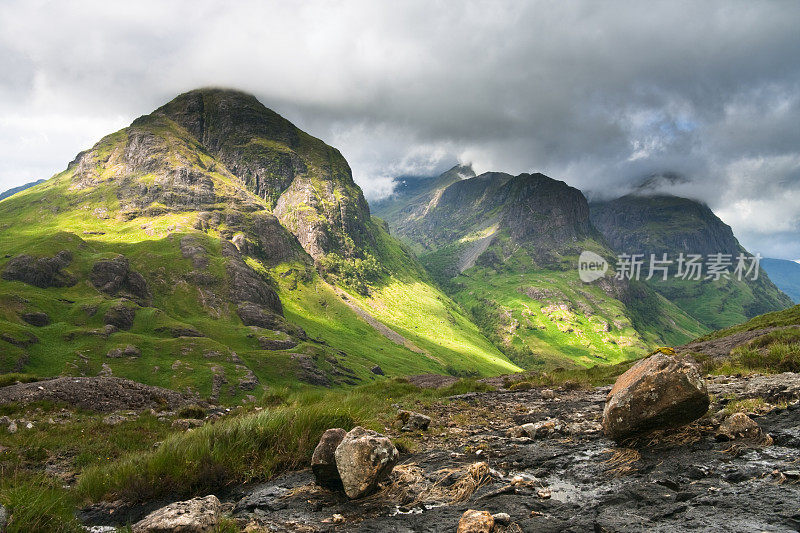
column 308, row 183
column 663, row 224
column 533, row 210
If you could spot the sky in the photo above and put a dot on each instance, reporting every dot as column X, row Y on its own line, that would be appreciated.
column 602, row 95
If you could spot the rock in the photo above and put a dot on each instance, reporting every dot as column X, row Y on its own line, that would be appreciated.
column 543, row 428
column 548, row 394
column 3, row 519
column 247, row 285
column 473, row 521
column 186, row 423
column 377, row 370
column 199, row 515
column 411, row 421
column 323, row 462
column 502, row 519
column 4, row 421
column 12, row 427
column 661, row 391
column 114, row 276
column 120, row 316
column 42, row 272
column 129, row 351
column 114, row 419
column 363, row 459
column 276, row 344
column 738, row 425
column 308, row 372
column 254, row 315
column 36, row 319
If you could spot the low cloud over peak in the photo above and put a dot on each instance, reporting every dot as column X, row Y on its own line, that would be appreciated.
column 601, row 95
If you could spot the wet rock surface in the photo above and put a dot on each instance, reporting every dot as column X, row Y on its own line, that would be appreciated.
column 576, row 480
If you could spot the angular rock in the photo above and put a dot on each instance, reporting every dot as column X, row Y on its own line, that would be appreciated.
column 543, row 428
column 115, row 275
column 411, row 421
column 199, row 515
column 36, row 318
column 377, row 370
column 323, row 462
column 3, row 519
column 473, row 521
column 308, row 372
column 120, row 316
column 276, row 344
column 42, row 272
column 363, row 459
column 661, row 391
column 738, row 425
column 128, row 351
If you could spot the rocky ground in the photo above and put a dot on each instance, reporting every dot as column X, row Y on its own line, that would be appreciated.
column 565, row 477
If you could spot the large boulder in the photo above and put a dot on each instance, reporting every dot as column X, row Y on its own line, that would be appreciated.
column 120, row 315
column 40, row 272
column 199, row 515
column 363, row 459
column 115, row 276
column 661, row 391
column 323, row 462
column 36, row 318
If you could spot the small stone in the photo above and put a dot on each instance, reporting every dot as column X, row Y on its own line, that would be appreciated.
column 473, row 521
column 548, row 394
column 186, row 423
column 412, row 421
column 338, row 519
column 377, row 370
column 544, row 493
column 738, row 425
column 502, row 519
column 199, row 515
column 12, row 427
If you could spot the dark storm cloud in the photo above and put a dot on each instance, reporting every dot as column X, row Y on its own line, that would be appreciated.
column 598, row 94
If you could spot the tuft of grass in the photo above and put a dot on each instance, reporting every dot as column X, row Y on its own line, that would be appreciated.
column 12, row 378
column 38, row 504
column 236, row 450
column 747, row 405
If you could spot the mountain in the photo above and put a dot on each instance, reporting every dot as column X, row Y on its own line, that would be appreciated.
column 15, row 190
column 663, row 224
column 785, row 274
column 506, row 248
column 214, row 246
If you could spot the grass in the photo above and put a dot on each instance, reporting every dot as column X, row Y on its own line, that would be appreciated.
column 775, row 352
column 252, row 446
column 786, row 317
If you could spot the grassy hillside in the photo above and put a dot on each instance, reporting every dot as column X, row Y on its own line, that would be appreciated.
column 506, row 249
column 208, row 248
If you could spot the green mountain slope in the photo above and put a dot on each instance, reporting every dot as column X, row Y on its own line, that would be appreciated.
column 506, row 248
column 785, row 275
column 215, row 247
column 668, row 224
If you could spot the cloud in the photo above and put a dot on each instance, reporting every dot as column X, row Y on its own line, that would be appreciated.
column 597, row 94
